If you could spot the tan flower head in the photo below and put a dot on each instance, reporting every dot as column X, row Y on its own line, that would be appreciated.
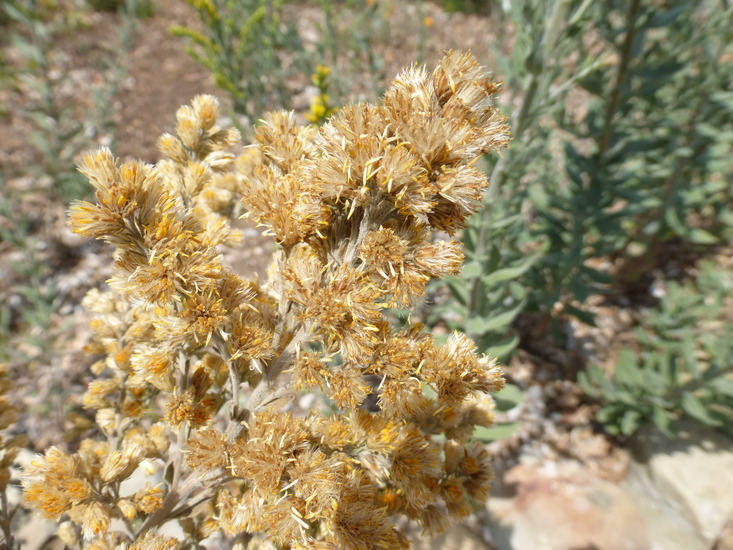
column 153, row 541
column 55, row 482
column 207, row 449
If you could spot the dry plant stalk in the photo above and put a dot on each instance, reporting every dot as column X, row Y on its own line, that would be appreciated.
column 200, row 364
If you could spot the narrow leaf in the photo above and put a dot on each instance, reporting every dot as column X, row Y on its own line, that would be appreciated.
column 696, row 409
column 509, row 273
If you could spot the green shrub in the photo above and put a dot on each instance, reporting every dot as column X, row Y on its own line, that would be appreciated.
column 138, row 8
column 241, row 45
column 469, row 6
column 59, row 133
column 684, row 363
column 353, row 33
column 644, row 166
column 621, row 148
column 621, row 151
column 503, row 250
column 254, row 51
column 29, row 296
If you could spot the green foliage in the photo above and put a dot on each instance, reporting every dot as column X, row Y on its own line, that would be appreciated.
column 5, row 75
column 644, row 165
column 684, row 366
column 254, row 51
column 5, row 18
column 29, row 296
column 138, row 8
column 487, row 296
column 615, row 151
column 350, row 38
column 242, row 45
column 503, row 251
column 58, row 136
column 469, row 6
column 506, row 400
column 321, row 107
column 60, row 133
column 621, row 147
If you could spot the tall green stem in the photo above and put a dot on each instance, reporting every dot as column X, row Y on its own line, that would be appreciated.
column 621, row 76
column 550, row 37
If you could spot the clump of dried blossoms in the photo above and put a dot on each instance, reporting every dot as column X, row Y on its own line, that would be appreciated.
column 194, row 395
column 9, row 448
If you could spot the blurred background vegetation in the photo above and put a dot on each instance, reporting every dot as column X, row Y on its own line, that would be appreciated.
column 602, row 261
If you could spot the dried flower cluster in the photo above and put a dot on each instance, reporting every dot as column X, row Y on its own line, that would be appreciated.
column 9, row 414
column 200, row 366
column 9, row 448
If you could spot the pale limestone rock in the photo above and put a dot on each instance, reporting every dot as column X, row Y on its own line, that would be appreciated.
column 559, row 506
column 695, row 471
column 456, row 537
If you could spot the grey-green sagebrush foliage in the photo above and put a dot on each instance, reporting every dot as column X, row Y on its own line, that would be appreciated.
column 642, row 166
column 28, row 303
column 647, row 163
column 488, row 298
column 616, row 152
column 500, row 246
column 684, row 366
column 138, row 8
column 60, row 134
column 350, row 37
column 621, row 149
column 28, row 300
